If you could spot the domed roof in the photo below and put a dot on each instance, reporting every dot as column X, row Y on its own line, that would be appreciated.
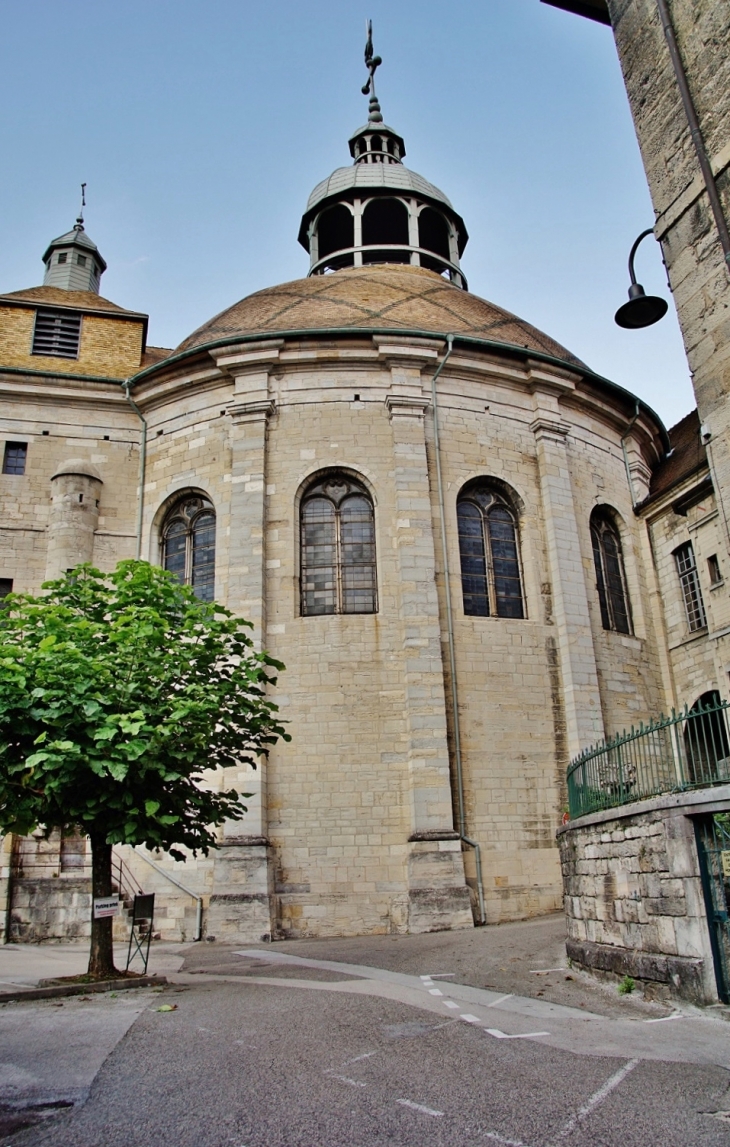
column 383, row 297
column 393, row 176
column 79, row 466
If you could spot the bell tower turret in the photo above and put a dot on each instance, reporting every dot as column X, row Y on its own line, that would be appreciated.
column 73, row 262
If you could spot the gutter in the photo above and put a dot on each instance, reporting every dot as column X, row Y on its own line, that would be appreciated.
column 142, row 466
column 450, row 630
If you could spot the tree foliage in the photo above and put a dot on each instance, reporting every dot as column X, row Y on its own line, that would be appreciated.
column 118, row 693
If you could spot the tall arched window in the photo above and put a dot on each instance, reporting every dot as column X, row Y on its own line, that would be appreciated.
column 490, row 560
column 337, row 547
column 188, row 544
column 610, row 575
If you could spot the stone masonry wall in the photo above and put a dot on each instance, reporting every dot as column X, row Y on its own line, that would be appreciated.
column 633, row 897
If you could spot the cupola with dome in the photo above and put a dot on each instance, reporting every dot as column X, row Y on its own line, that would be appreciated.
column 377, row 210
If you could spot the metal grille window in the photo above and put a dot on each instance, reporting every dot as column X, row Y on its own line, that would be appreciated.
column 490, row 561
column 188, row 545
column 613, row 594
column 689, row 580
column 337, row 548
column 57, row 333
column 14, row 457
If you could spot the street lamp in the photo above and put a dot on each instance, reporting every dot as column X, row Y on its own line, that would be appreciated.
column 642, row 310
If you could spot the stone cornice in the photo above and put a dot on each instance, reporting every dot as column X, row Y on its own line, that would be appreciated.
column 550, row 428
column 257, row 411
column 406, row 406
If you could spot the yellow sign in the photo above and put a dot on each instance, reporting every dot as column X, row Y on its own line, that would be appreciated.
column 725, row 856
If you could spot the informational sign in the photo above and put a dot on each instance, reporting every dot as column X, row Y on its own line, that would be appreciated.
column 105, row 906
column 725, row 856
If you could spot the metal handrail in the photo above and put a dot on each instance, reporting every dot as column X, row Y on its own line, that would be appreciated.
column 127, row 885
column 686, row 750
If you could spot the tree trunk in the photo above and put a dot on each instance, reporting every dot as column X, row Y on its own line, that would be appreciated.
column 101, row 956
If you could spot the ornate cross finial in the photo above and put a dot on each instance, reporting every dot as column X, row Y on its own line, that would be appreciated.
column 80, row 217
column 372, row 63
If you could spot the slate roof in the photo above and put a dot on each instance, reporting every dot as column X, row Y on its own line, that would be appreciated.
column 381, row 296
column 688, row 455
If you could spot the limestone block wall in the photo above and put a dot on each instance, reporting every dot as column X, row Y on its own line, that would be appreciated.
column 633, row 896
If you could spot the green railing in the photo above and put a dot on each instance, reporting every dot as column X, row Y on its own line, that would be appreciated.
column 684, row 751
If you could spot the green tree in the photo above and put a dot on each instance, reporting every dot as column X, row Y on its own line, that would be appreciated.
column 118, row 694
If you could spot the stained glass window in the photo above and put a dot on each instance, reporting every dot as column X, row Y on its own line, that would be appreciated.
column 337, row 548
column 188, row 544
column 613, row 594
column 490, row 561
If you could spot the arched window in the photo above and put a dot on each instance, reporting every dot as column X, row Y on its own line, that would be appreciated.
column 706, row 740
column 610, row 576
column 385, row 221
column 433, row 232
column 188, row 544
column 337, row 548
column 335, row 230
column 490, row 560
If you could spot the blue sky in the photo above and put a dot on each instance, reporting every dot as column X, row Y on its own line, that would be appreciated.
column 201, row 128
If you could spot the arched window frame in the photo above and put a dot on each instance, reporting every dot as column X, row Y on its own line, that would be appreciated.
column 611, row 584
column 188, row 541
column 337, row 567
column 489, row 552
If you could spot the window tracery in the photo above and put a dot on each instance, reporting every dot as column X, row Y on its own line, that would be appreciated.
column 188, row 544
column 337, row 531
column 489, row 550
column 608, row 558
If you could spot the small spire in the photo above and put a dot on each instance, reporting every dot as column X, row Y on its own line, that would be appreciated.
column 372, row 63
column 79, row 224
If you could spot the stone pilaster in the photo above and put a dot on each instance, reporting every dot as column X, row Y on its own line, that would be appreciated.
column 438, row 895
column 241, row 904
column 581, row 697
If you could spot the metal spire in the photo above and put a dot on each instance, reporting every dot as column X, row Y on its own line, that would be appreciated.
column 372, row 63
column 79, row 225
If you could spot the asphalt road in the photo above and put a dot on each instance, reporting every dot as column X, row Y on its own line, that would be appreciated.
column 282, row 1047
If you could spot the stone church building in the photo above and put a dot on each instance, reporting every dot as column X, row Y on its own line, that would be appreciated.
column 474, row 555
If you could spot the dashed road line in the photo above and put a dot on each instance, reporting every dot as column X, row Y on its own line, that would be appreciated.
column 598, row 1097
column 495, row 1003
column 523, row 1035
column 418, row 1107
column 435, row 992
column 470, row 1019
column 450, row 1004
column 345, row 1079
column 366, row 1055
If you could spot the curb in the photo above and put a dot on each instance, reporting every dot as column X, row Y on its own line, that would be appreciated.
column 55, row 990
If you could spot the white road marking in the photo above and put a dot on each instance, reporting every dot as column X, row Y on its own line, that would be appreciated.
column 435, row 992
column 359, row 1057
column 545, row 971
column 503, row 1035
column 501, row 1139
column 470, row 1019
column 663, row 1019
column 450, row 1004
column 501, row 1000
column 346, row 1079
column 598, row 1096
column 418, row 1107
column 438, row 975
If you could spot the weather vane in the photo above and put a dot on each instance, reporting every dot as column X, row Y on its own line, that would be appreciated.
column 372, row 63
column 80, row 216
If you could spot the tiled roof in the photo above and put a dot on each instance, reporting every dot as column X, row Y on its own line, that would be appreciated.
column 382, row 296
column 688, row 454
column 154, row 354
column 81, row 300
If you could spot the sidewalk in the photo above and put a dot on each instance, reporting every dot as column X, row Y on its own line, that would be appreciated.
column 24, row 965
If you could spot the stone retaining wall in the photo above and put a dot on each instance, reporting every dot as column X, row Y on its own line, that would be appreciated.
column 633, row 896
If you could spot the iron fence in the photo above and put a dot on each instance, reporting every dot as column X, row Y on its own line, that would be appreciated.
column 683, row 751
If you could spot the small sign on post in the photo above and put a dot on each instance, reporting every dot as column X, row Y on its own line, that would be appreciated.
column 105, row 906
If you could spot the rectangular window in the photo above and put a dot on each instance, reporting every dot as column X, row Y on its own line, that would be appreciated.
column 690, row 583
column 14, row 457
column 81, row 260
column 63, row 257
column 57, row 333
column 713, row 567
column 6, row 586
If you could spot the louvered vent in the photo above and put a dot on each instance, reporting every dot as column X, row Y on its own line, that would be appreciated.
column 57, row 333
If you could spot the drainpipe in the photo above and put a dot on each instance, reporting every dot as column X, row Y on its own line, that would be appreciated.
column 695, row 130
column 624, row 437
column 142, row 466
column 450, row 630
column 199, row 899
